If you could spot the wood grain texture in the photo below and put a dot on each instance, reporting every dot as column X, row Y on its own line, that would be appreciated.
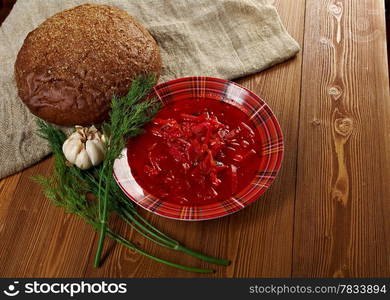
column 342, row 205
column 259, row 239
column 38, row 239
column 328, row 212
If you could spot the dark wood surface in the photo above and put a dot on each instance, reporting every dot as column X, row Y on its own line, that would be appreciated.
column 327, row 214
column 5, row 8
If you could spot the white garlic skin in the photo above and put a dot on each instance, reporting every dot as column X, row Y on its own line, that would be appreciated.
column 85, row 147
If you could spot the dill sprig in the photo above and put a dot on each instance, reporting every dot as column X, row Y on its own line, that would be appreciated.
column 128, row 115
column 93, row 194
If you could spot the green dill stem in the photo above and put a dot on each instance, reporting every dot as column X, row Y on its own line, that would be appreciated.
column 103, row 221
column 128, row 212
column 203, row 257
column 128, row 114
column 136, row 222
column 177, row 246
column 100, row 245
column 145, row 235
column 135, row 213
column 123, row 241
column 100, row 189
column 152, row 236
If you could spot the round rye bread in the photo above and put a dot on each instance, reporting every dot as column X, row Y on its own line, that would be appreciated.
column 70, row 66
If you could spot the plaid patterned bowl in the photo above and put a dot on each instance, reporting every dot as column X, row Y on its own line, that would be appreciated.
column 256, row 110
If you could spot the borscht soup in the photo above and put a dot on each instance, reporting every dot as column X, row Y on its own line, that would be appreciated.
column 196, row 152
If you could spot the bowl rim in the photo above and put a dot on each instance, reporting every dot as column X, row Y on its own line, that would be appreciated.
column 123, row 177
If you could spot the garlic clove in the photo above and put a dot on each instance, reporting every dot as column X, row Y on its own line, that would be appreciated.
column 103, row 139
column 84, row 147
column 74, row 135
column 95, row 150
column 71, row 148
column 83, row 161
column 101, row 146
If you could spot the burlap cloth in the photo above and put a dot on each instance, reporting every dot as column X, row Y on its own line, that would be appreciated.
column 219, row 38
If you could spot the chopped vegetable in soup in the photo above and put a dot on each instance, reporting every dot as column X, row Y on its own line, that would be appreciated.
column 196, row 152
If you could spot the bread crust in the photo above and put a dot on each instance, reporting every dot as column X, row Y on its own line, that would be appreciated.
column 70, row 66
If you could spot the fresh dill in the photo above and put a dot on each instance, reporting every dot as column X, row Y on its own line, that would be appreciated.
column 128, row 115
column 93, row 194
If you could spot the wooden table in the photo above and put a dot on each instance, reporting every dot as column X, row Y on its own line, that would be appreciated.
column 327, row 214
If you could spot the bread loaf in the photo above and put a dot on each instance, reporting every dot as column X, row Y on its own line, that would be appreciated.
column 70, row 66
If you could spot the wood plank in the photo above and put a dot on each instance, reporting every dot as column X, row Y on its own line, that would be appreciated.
column 7, row 190
column 342, row 212
column 39, row 239
column 259, row 238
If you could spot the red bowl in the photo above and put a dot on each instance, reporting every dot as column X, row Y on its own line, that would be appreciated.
column 257, row 111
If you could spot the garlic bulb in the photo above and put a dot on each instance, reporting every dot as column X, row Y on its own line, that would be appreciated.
column 85, row 147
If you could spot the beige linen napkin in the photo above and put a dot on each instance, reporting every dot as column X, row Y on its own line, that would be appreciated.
column 219, row 38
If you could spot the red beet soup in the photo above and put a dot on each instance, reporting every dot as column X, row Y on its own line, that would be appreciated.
column 196, row 152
